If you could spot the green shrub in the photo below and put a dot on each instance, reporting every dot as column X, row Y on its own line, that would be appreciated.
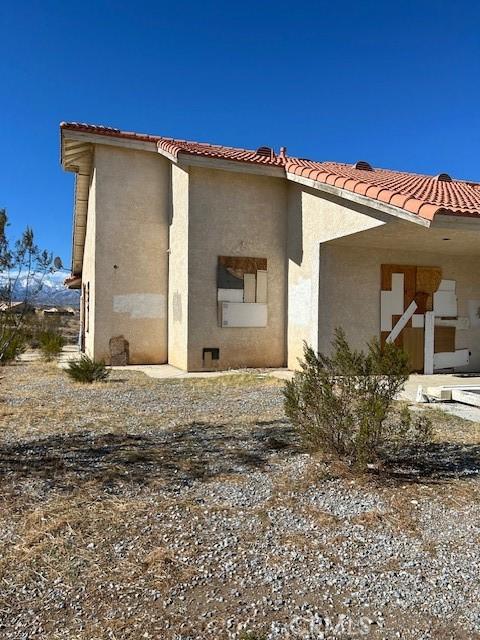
column 12, row 344
column 51, row 344
column 340, row 403
column 87, row 370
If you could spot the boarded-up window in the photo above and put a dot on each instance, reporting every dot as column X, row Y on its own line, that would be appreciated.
column 242, row 291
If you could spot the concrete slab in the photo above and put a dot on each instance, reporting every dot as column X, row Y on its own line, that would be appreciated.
column 436, row 380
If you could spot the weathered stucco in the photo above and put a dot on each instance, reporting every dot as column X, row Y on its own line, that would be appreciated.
column 155, row 230
column 128, row 290
column 234, row 214
column 313, row 219
column 178, row 270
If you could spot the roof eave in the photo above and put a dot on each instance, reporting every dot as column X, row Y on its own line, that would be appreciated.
column 382, row 208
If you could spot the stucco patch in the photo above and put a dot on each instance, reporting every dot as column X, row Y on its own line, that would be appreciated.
column 299, row 303
column 140, row 305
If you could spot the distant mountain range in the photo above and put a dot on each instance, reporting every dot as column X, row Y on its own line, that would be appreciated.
column 52, row 292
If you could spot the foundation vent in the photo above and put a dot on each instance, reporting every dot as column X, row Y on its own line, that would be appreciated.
column 363, row 165
column 443, row 177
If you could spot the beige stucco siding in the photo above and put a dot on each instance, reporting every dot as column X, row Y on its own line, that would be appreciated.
column 350, row 291
column 131, row 244
column 236, row 214
column 178, row 270
column 313, row 218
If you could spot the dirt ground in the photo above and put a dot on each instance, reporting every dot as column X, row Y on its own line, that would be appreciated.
column 142, row 508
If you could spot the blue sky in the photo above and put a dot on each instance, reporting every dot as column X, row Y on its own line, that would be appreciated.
column 396, row 84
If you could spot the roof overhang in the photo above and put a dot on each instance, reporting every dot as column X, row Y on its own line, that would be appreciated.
column 374, row 205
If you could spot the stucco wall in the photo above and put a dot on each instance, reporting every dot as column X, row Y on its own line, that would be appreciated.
column 235, row 214
column 350, row 291
column 313, row 218
column 131, row 264
column 178, row 270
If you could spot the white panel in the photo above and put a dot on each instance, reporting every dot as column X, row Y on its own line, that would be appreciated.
column 459, row 323
column 261, row 286
column 391, row 302
column 401, row 324
column 467, row 397
column 241, row 314
column 429, row 341
column 140, row 305
column 447, row 285
column 230, row 295
column 249, row 287
column 418, row 321
column 445, row 304
column 458, row 358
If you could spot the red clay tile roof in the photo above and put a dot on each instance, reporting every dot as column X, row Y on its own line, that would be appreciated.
column 174, row 147
column 418, row 194
column 423, row 195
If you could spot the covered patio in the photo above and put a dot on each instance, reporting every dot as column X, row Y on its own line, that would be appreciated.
column 414, row 285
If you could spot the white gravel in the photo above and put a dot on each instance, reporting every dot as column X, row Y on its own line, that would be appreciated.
column 261, row 536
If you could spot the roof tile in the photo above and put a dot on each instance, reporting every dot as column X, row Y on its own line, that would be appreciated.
column 417, row 194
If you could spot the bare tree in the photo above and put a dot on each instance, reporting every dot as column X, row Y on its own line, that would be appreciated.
column 19, row 261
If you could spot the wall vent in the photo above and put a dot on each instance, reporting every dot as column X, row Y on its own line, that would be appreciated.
column 443, row 177
column 363, row 165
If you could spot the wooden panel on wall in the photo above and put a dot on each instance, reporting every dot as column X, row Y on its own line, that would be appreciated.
column 444, row 340
column 413, row 345
column 428, row 279
column 410, row 273
column 240, row 265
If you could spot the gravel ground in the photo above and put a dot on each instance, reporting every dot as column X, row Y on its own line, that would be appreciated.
column 169, row 510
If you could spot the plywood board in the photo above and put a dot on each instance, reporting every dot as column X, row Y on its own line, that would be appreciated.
column 459, row 358
column 230, row 295
column 445, row 304
column 261, row 286
column 460, row 324
column 391, row 302
column 226, row 280
column 444, row 339
column 418, row 320
column 402, row 322
column 413, row 345
column 424, row 301
column 249, row 287
column 241, row 314
column 410, row 277
column 238, row 265
column 447, row 285
column 428, row 279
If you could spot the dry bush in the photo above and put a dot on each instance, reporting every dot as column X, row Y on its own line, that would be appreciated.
column 342, row 404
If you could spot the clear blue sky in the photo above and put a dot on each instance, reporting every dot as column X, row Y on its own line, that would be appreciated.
column 397, row 84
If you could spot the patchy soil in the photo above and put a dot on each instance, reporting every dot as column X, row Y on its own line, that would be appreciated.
column 143, row 508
